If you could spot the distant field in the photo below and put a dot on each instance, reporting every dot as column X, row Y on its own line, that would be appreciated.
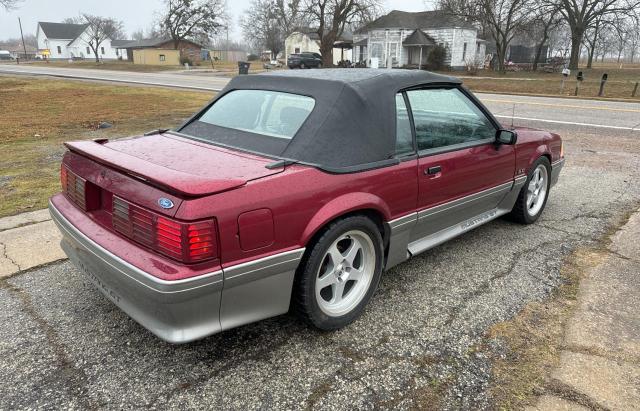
column 38, row 115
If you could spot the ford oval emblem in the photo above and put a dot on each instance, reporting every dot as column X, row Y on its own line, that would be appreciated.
column 165, row 203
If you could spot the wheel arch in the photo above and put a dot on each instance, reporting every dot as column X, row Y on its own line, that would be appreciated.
column 541, row 151
column 358, row 204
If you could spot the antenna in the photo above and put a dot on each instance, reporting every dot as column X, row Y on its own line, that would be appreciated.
column 513, row 113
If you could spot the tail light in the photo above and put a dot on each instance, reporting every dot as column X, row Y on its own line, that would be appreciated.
column 81, row 192
column 187, row 242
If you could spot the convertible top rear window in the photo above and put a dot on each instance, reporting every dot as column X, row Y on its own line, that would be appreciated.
column 269, row 113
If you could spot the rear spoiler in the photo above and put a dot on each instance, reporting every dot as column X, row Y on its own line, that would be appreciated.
column 175, row 181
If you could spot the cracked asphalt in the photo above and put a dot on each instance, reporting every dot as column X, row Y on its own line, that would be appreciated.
column 63, row 345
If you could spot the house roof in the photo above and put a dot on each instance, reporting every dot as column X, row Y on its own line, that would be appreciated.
column 416, row 20
column 120, row 43
column 153, row 42
column 62, row 31
column 419, row 38
column 346, row 36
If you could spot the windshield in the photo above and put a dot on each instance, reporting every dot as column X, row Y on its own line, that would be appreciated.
column 270, row 113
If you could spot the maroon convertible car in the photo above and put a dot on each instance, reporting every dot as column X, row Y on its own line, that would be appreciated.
column 292, row 190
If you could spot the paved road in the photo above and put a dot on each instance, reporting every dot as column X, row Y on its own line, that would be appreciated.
column 63, row 345
column 525, row 110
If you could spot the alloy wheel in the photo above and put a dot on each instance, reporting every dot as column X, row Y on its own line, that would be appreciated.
column 345, row 273
column 537, row 190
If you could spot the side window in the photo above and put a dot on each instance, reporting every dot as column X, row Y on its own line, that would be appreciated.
column 404, row 137
column 446, row 117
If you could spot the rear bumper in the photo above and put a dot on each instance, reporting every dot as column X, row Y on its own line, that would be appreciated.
column 184, row 310
column 556, row 167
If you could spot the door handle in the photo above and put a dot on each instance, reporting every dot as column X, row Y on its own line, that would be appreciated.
column 432, row 170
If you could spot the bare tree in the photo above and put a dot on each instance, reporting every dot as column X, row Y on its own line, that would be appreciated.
column 188, row 19
column 331, row 17
column 289, row 15
column 98, row 30
column 545, row 21
column 633, row 47
column 582, row 14
column 504, row 19
column 593, row 37
column 137, row 35
column 267, row 23
column 73, row 20
column 10, row 4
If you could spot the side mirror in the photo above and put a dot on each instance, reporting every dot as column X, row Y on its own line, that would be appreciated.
column 506, row 137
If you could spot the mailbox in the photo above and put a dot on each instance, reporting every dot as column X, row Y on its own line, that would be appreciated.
column 580, row 76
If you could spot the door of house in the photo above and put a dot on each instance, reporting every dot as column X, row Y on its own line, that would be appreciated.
column 392, row 56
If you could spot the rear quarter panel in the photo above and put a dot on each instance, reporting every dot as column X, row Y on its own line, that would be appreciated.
column 302, row 200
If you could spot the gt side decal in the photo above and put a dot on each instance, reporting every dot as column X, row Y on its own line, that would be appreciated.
column 478, row 220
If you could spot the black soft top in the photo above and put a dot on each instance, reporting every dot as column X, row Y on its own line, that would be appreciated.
column 353, row 124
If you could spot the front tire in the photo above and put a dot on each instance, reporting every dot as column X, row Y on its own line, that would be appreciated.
column 533, row 196
column 340, row 273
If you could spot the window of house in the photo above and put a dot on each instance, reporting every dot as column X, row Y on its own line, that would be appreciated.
column 446, row 117
column 163, row 57
column 102, row 50
column 296, row 50
column 404, row 137
column 88, row 50
column 59, row 50
column 464, row 51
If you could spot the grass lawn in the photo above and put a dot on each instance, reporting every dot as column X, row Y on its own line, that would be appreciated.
column 39, row 114
column 107, row 65
column 619, row 85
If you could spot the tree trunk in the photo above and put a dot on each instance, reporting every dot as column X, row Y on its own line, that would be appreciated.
column 536, row 60
column 501, row 52
column 326, row 50
column 592, row 50
column 577, row 33
column 95, row 53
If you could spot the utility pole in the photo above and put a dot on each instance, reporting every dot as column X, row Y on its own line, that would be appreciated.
column 226, row 57
column 24, row 47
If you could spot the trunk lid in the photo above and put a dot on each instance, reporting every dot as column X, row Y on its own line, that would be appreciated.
column 179, row 165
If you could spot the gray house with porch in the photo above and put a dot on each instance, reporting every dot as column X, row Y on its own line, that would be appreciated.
column 405, row 39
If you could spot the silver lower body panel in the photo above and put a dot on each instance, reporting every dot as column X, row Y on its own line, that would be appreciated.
column 556, row 167
column 418, row 232
column 184, row 310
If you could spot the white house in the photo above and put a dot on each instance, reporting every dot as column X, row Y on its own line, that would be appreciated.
column 307, row 40
column 401, row 39
column 66, row 41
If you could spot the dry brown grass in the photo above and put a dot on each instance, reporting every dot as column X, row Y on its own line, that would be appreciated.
column 107, row 65
column 39, row 114
column 619, row 85
column 535, row 337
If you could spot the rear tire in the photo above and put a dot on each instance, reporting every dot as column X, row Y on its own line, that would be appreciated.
column 533, row 196
column 339, row 273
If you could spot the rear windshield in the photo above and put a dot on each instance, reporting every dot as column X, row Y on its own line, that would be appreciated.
column 269, row 113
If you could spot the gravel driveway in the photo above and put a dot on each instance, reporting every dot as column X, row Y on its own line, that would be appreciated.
column 64, row 345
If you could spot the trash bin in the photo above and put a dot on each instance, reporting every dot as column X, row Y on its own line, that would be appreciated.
column 243, row 67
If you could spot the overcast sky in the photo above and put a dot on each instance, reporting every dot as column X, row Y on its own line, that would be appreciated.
column 136, row 14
